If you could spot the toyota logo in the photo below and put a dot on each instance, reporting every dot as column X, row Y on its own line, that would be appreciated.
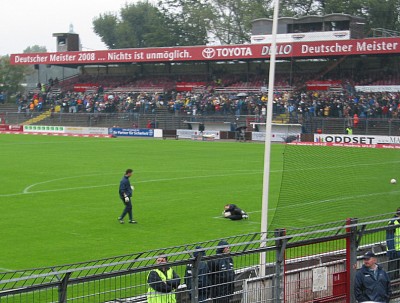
column 208, row 53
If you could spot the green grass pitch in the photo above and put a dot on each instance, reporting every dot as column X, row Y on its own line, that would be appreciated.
column 59, row 195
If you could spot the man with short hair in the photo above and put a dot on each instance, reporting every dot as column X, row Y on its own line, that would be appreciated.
column 162, row 283
column 372, row 283
column 233, row 212
column 222, row 275
column 202, row 273
column 125, row 193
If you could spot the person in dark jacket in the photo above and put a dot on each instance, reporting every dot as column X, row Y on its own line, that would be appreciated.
column 233, row 212
column 125, row 193
column 222, row 275
column 162, row 283
column 372, row 283
column 203, row 276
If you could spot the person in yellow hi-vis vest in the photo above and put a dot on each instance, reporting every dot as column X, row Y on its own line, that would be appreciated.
column 393, row 246
column 163, row 282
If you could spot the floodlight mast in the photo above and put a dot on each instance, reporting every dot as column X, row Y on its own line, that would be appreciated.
column 268, row 128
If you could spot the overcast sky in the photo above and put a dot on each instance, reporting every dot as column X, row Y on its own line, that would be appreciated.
column 25, row 23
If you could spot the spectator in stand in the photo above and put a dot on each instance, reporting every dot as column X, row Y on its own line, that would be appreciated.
column 327, row 110
column 31, row 108
column 349, row 130
column 355, row 120
column 72, row 104
column 21, row 105
column 299, row 105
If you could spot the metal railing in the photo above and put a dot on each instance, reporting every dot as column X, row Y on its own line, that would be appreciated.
column 383, row 32
column 172, row 121
column 293, row 257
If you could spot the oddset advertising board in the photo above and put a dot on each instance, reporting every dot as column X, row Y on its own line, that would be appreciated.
column 369, row 46
column 356, row 139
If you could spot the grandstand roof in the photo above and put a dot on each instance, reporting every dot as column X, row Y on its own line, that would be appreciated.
column 314, row 18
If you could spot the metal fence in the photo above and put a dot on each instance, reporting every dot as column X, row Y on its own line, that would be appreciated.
column 313, row 264
column 171, row 121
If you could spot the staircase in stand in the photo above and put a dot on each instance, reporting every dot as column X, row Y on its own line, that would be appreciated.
column 39, row 118
column 8, row 107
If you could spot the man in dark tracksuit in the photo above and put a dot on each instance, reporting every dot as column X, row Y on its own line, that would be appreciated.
column 125, row 193
column 222, row 275
column 372, row 283
column 233, row 212
column 203, row 276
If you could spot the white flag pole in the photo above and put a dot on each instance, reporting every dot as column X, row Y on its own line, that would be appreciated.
column 268, row 128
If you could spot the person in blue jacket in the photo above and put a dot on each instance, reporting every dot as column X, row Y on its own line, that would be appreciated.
column 125, row 194
column 222, row 275
column 203, row 276
column 372, row 283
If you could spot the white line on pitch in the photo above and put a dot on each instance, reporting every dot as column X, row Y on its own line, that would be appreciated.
column 115, row 184
column 6, row 269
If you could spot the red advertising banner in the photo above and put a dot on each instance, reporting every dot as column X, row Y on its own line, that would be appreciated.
column 322, row 85
column 83, row 87
column 188, row 86
column 369, row 46
column 14, row 128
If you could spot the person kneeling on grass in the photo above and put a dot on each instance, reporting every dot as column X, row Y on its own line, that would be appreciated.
column 233, row 212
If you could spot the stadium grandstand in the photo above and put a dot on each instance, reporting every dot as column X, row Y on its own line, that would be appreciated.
column 319, row 59
column 331, row 78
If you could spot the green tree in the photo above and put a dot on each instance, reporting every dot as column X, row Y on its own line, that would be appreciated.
column 198, row 22
column 139, row 25
column 232, row 23
column 220, row 21
column 11, row 76
column 378, row 14
column 189, row 20
column 383, row 14
column 35, row 49
column 106, row 27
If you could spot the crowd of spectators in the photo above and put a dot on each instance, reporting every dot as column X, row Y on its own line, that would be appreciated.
column 301, row 104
